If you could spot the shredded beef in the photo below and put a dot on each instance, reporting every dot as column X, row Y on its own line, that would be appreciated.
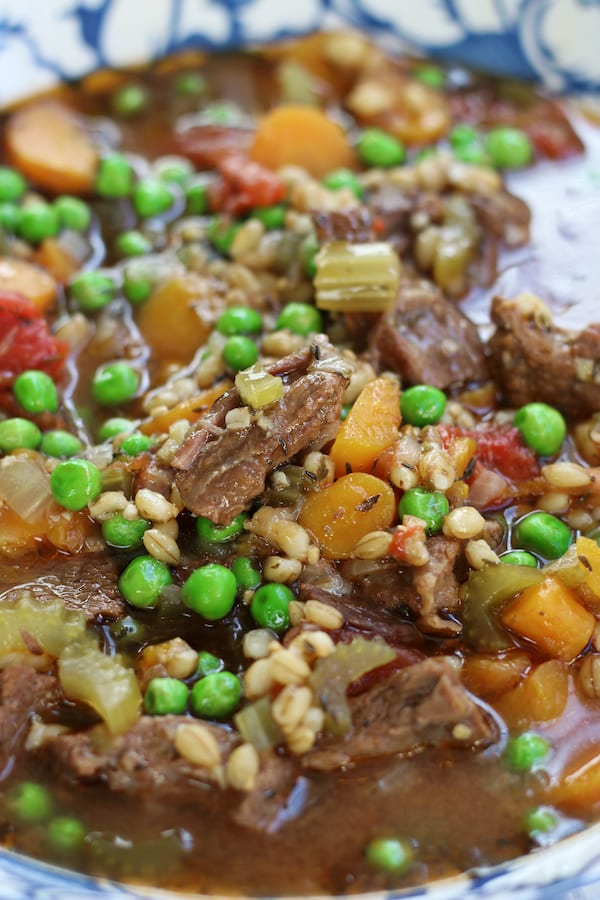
column 88, row 583
column 532, row 359
column 421, row 706
column 23, row 692
column 220, row 471
column 427, row 340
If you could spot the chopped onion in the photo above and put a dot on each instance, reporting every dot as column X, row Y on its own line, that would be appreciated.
column 486, row 488
column 257, row 726
column 24, row 486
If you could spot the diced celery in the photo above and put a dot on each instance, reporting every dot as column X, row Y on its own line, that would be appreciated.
column 103, row 682
column 51, row 625
column 258, row 387
column 357, row 277
column 257, row 725
column 332, row 676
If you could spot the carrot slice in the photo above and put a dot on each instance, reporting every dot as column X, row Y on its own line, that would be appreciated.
column 171, row 321
column 370, row 427
column 52, row 148
column 20, row 277
column 343, row 513
column 302, row 136
column 190, row 409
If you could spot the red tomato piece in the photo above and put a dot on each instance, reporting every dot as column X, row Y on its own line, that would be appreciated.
column 26, row 341
column 245, row 184
column 402, row 538
column 499, row 447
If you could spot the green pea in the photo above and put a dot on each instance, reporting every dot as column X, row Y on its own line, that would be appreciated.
column 239, row 320
column 463, row 135
column 130, row 100
column 152, row 197
column 12, row 185
column 422, row 405
column 135, row 443
column 272, row 217
column 308, row 254
column 66, row 834
column 343, row 178
column 115, row 176
column 190, row 84
column 346, row 407
column 431, row 506
column 196, row 197
column 124, row 533
column 35, row 392
column 300, row 318
column 240, row 352
column 75, row 483
column 542, row 427
column 137, row 283
column 210, row 591
column 379, row 149
column 143, row 580
column 10, row 216
column 221, row 233
column 175, row 169
column 30, row 802
column 208, row 663
column 60, row 444
column 540, row 821
column 208, row 531
column 389, row 854
column 509, row 148
column 133, row 243
column 92, row 290
column 216, row 696
column 166, row 696
column 432, row 76
column 73, row 213
column 474, row 154
column 519, row 558
column 270, row 606
column 525, row 751
column 113, row 427
column 115, row 383
column 247, row 576
column 19, row 434
column 37, row 222
column 542, row 533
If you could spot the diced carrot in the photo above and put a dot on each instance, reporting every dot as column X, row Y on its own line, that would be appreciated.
column 53, row 257
column 341, row 514
column 170, row 320
column 540, row 697
column 302, row 136
column 370, row 427
column 20, row 277
column 190, row 409
column 52, row 148
column 488, row 674
column 579, row 786
column 550, row 615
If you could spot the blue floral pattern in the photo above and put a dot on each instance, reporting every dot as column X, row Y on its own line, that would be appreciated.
column 554, row 40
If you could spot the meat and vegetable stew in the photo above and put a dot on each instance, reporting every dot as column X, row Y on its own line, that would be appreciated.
column 299, row 564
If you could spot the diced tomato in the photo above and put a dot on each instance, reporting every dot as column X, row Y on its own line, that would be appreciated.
column 402, row 539
column 244, row 185
column 206, row 145
column 26, row 341
column 499, row 447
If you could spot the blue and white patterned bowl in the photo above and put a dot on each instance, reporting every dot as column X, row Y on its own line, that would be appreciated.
column 555, row 41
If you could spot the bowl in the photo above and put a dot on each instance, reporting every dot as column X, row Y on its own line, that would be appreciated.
column 553, row 41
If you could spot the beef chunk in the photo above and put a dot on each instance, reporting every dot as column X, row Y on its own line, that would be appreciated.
column 421, row 706
column 354, row 225
column 143, row 762
column 88, row 583
column 427, row 340
column 218, row 474
column 532, row 359
column 503, row 216
column 23, row 692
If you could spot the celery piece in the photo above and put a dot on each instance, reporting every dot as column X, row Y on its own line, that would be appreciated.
column 258, row 387
column 257, row 726
column 357, row 277
column 48, row 623
column 103, row 682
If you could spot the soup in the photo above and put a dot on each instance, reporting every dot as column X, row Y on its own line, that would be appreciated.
column 299, row 563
